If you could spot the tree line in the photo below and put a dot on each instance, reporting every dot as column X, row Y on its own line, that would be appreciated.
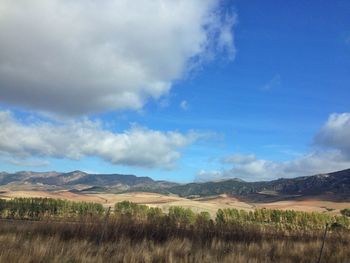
column 177, row 217
column 35, row 208
column 285, row 219
column 288, row 219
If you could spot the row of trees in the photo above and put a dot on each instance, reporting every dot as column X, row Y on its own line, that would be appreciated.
column 286, row 218
column 176, row 215
column 34, row 208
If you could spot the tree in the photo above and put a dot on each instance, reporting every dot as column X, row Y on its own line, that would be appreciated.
column 131, row 209
column 181, row 216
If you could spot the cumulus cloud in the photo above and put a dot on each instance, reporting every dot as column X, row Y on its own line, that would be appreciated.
column 335, row 134
column 76, row 57
column 75, row 139
column 253, row 169
column 204, row 176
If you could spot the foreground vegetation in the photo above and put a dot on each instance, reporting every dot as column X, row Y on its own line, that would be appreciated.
column 61, row 231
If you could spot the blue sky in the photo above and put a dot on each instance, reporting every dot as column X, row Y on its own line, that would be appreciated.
column 249, row 89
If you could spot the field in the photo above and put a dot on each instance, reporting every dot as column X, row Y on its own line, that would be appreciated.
column 52, row 230
column 53, row 248
column 322, row 204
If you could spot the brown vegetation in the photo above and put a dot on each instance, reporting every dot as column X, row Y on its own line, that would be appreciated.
column 322, row 204
column 81, row 232
column 128, row 241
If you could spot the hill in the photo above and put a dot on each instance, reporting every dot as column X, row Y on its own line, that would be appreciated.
column 336, row 183
column 79, row 181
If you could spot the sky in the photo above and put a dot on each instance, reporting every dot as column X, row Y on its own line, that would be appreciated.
column 178, row 90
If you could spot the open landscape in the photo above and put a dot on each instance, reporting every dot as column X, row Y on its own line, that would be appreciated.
column 322, row 204
column 52, row 216
column 180, row 131
column 54, row 230
column 324, row 193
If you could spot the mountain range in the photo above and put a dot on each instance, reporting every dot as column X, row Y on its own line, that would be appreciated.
column 336, row 183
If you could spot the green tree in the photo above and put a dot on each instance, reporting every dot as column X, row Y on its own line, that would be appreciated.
column 181, row 216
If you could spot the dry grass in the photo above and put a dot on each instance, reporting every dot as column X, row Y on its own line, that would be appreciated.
column 22, row 248
column 308, row 205
column 125, row 240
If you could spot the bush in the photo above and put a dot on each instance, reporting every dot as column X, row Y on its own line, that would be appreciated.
column 181, row 216
column 131, row 209
column 345, row 212
column 285, row 219
column 35, row 208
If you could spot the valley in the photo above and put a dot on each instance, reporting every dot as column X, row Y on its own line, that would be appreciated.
column 324, row 193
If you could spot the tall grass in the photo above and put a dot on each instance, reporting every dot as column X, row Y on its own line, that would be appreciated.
column 92, row 239
column 134, row 233
column 22, row 248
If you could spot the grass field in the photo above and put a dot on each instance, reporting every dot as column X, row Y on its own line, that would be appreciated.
column 124, row 239
column 54, row 249
column 208, row 204
column 52, row 230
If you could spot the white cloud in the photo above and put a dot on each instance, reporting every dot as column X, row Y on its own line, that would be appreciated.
column 226, row 38
column 76, row 57
column 239, row 159
column 335, row 134
column 260, row 169
column 273, row 83
column 27, row 163
column 184, row 105
column 75, row 139
column 204, row 176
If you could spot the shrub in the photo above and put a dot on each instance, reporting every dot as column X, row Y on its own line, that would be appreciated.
column 181, row 216
column 345, row 212
column 131, row 209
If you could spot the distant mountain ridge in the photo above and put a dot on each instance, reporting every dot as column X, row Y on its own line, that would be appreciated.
column 80, row 180
column 331, row 183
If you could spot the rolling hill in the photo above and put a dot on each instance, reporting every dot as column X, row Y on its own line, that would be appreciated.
column 79, row 181
column 336, row 183
column 331, row 183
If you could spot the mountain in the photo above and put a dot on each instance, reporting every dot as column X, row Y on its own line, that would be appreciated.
column 336, row 183
column 331, row 183
column 80, row 181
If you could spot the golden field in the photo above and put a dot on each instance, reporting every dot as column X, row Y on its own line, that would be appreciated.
column 208, row 204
